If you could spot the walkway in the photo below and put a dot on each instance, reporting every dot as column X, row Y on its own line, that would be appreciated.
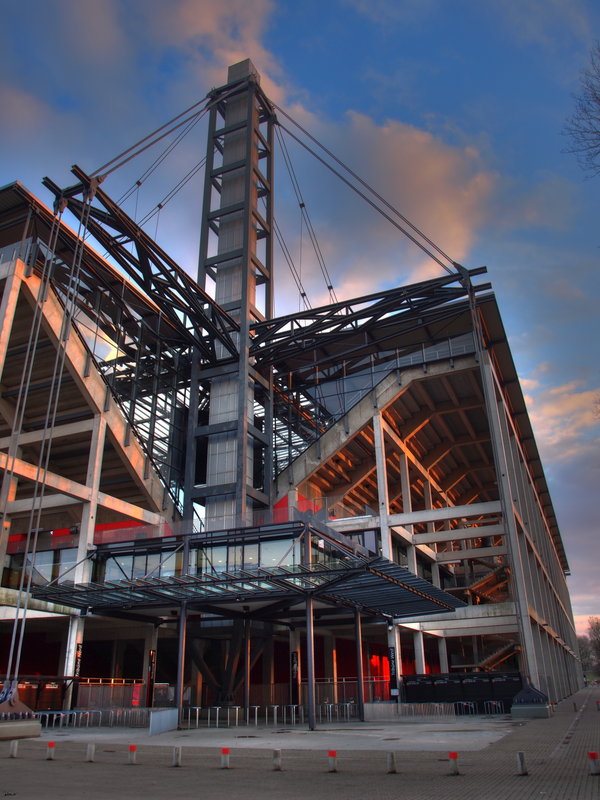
column 555, row 752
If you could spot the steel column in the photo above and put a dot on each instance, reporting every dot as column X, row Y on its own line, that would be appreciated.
column 360, row 676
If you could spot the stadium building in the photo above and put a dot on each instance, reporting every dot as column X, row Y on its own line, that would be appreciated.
column 206, row 505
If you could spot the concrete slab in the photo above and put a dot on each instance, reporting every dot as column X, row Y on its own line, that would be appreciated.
column 474, row 733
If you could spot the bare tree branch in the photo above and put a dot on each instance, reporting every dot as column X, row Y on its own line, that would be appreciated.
column 583, row 126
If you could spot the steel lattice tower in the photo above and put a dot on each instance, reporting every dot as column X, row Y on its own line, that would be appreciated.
column 229, row 467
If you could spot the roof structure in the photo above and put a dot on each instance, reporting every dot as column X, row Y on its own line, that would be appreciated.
column 374, row 586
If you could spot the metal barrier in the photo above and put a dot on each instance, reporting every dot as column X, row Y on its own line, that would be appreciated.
column 493, row 707
column 287, row 714
column 465, row 707
column 69, row 719
column 426, row 709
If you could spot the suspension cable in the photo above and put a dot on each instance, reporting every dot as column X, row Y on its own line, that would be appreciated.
column 309, row 226
column 20, row 405
column 35, row 514
column 160, row 158
column 290, row 262
column 372, row 191
column 369, row 201
column 160, row 133
column 103, row 169
column 172, row 193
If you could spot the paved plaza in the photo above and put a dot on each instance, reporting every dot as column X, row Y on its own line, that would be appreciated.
column 556, row 755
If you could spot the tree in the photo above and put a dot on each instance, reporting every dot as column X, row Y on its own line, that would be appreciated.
column 585, row 653
column 589, row 647
column 583, row 127
column 594, row 637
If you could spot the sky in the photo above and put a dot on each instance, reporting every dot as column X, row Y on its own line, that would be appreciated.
column 453, row 110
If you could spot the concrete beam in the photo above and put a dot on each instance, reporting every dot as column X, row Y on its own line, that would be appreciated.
column 360, row 415
column 31, row 472
column 47, row 501
column 96, row 394
column 459, row 533
column 472, row 552
column 448, row 512
column 58, row 432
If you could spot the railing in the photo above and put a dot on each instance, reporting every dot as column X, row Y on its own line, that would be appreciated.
column 92, row 717
column 110, row 693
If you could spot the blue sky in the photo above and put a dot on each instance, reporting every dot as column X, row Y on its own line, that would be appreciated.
column 452, row 109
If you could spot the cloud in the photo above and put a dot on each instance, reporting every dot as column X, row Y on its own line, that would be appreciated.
column 546, row 22
column 21, row 111
column 549, row 201
column 563, row 418
column 582, row 622
column 213, row 35
column 385, row 12
column 443, row 189
column 95, row 30
column 529, row 384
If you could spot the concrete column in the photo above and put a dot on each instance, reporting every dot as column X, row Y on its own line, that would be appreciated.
column 411, row 557
column 82, row 572
column 395, row 656
column 419, row 645
column 72, row 649
column 500, row 437
column 292, row 496
column 382, row 487
column 405, row 486
column 443, row 655
column 428, row 503
column 8, row 305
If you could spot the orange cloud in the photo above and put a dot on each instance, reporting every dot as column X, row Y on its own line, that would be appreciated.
column 20, row 110
column 563, row 417
column 215, row 35
column 95, row 30
column 444, row 190
column 581, row 624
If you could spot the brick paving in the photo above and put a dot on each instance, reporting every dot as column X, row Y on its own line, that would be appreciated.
column 555, row 752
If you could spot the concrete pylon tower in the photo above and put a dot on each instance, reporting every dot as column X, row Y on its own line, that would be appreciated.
column 229, row 471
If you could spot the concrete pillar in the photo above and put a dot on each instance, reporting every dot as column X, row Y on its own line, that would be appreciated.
column 500, row 440
column 72, row 654
column 411, row 557
column 8, row 305
column 382, row 487
column 443, row 655
column 428, row 503
column 405, row 486
column 82, row 572
column 395, row 657
column 419, row 644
